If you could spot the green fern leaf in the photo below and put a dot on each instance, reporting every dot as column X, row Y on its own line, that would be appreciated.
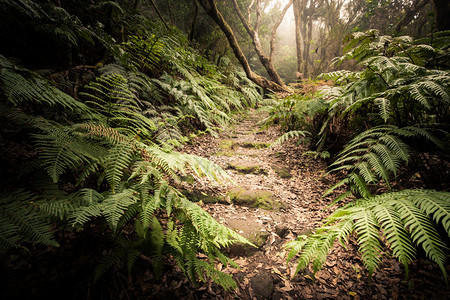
column 366, row 228
column 118, row 159
column 115, row 205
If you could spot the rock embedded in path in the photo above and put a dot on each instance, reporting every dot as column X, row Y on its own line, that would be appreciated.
column 253, row 198
column 226, row 148
column 247, row 168
column 197, row 196
column 249, row 227
column 255, row 145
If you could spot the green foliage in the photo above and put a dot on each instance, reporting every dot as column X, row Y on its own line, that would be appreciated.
column 297, row 113
column 392, row 115
column 396, row 71
column 142, row 54
column 21, row 222
column 22, row 86
column 110, row 159
column 405, row 219
column 290, row 135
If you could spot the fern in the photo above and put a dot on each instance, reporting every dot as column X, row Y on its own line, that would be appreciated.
column 62, row 148
column 374, row 154
column 20, row 85
column 21, row 222
column 289, row 135
column 119, row 158
column 404, row 218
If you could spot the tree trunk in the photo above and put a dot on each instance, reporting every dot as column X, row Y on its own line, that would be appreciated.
column 299, row 7
column 410, row 14
column 308, row 46
column 169, row 7
column 265, row 61
column 194, row 21
column 211, row 9
column 274, row 30
column 442, row 14
column 152, row 2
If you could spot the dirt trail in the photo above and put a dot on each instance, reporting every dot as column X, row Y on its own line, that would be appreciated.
column 275, row 197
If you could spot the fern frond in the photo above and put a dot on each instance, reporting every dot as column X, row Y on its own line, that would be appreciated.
column 20, row 222
column 290, row 135
column 21, row 85
column 62, row 149
column 110, row 260
column 157, row 240
column 405, row 218
column 119, row 158
column 115, row 205
column 422, row 231
column 369, row 245
column 89, row 205
column 390, row 221
column 384, row 105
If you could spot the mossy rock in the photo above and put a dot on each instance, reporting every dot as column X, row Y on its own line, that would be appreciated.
column 255, row 145
column 227, row 153
column 253, row 198
column 247, row 168
column 197, row 196
column 188, row 179
column 283, row 172
column 252, row 231
column 227, row 145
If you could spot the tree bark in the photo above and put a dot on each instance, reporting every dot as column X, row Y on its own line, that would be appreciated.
column 410, row 14
column 194, row 21
column 442, row 14
column 274, row 29
column 299, row 7
column 152, row 2
column 211, row 9
column 169, row 7
column 265, row 61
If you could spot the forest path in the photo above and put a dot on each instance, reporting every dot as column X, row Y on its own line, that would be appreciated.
column 275, row 197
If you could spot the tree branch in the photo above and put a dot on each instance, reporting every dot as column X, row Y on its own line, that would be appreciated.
column 152, row 2
column 275, row 27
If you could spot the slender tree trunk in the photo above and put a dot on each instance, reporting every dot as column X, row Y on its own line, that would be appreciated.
column 135, row 4
column 211, row 9
column 265, row 61
column 152, row 2
column 169, row 7
column 308, row 47
column 249, row 12
column 274, row 30
column 410, row 14
column 299, row 7
column 442, row 14
column 194, row 21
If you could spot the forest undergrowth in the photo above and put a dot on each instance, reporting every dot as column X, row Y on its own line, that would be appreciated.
column 132, row 165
